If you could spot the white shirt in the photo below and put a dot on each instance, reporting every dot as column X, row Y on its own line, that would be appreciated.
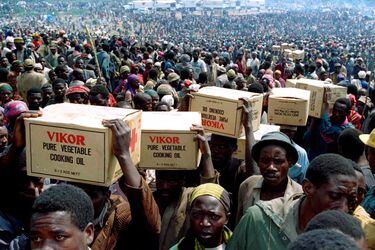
column 221, row 247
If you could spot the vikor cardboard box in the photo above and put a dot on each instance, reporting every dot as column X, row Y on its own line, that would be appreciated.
column 70, row 143
column 288, row 53
column 263, row 129
column 221, row 109
column 167, row 141
column 291, row 83
column 284, row 46
column 288, row 106
column 317, row 89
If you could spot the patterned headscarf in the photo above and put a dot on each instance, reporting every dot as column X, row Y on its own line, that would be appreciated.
column 213, row 190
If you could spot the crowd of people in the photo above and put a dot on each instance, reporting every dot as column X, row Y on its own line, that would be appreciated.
column 306, row 187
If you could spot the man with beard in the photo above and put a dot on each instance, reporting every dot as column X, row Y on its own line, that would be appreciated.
column 322, row 135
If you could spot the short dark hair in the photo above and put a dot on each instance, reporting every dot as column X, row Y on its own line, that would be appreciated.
column 323, row 239
column 58, row 80
column 346, row 102
column 34, row 90
column 323, row 167
column 162, row 104
column 139, row 98
column 351, row 146
column 232, row 142
column 334, row 219
column 66, row 198
column 4, row 75
column 352, row 89
column 256, row 88
column 99, row 89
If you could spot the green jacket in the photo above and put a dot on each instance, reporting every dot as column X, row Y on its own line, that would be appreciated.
column 268, row 225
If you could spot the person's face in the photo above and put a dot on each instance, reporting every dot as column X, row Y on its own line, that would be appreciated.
column 289, row 132
column 221, row 151
column 5, row 96
column 43, row 62
column 339, row 113
column 273, row 165
column 9, row 45
column 337, row 194
column 47, row 93
column 13, row 57
column 337, row 69
column 98, row 100
column 168, row 184
column 65, row 74
column 52, row 75
column 318, row 65
column 56, row 230
column 3, row 137
column 195, row 55
column 147, row 104
column 135, row 84
column 39, row 70
column 61, row 61
column 135, row 69
column 59, row 89
column 19, row 46
column 4, row 62
column 155, row 100
column 207, row 220
column 35, row 101
column 53, row 51
column 79, row 64
column 77, row 98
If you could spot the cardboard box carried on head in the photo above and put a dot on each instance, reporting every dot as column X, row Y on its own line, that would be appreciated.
column 70, row 143
column 288, row 106
column 241, row 142
column 167, row 141
column 221, row 109
column 317, row 91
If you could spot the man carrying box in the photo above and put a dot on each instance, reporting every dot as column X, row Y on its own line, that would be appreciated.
column 321, row 136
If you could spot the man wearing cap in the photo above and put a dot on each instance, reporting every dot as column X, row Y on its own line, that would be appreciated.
column 334, row 75
column 21, row 52
column 29, row 79
column 369, row 141
column 330, row 184
column 273, row 181
column 51, row 58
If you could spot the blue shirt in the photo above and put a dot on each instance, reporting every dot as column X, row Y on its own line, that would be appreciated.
column 297, row 172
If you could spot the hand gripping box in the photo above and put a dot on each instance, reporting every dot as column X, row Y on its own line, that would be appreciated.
column 241, row 142
column 70, row 143
column 288, row 106
column 167, row 141
column 221, row 110
column 317, row 90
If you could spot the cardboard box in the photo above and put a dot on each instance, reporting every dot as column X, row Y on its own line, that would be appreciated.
column 167, row 141
column 291, row 83
column 298, row 54
column 288, row 106
column 221, row 110
column 70, row 143
column 317, row 89
column 263, row 129
column 284, row 46
column 276, row 48
column 287, row 53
